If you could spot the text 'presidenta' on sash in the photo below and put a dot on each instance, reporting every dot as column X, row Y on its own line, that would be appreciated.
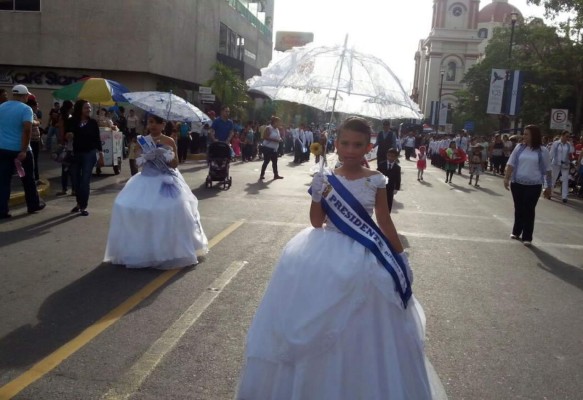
column 351, row 218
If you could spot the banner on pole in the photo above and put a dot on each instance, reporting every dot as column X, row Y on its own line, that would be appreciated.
column 515, row 89
column 443, row 109
column 434, row 113
column 496, row 95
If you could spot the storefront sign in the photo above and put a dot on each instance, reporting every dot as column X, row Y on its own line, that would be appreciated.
column 38, row 78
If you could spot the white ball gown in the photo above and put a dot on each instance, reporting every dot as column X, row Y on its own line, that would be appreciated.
column 155, row 220
column 332, row 326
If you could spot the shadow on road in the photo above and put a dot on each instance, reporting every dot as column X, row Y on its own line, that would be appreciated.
column 67, row 312
column 35, row 230
column 567, row 272
column 488, row 191
column 257, row 187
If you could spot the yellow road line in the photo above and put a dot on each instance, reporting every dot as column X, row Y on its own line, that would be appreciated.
column 54, row 359
column 149, row 361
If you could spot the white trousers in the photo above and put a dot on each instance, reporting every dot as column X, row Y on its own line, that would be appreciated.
column 564, row 171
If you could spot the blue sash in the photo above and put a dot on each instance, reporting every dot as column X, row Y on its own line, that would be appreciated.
column 351, row 218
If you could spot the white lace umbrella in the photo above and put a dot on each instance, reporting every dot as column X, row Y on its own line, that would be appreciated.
column 336, row 79
column 167, row 106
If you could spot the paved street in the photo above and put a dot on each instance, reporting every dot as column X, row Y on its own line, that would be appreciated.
column 503, row 321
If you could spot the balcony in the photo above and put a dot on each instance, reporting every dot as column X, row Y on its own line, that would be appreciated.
column 252, row 18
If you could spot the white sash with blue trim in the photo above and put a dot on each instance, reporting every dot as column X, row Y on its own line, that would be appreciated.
column 352, row 219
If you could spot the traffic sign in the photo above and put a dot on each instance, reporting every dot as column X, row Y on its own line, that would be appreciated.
column 559, row 118
column 469, row 126
column 207, row 98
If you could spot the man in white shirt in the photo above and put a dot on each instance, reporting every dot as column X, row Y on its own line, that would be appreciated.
column 561, row 151
column 462, row 142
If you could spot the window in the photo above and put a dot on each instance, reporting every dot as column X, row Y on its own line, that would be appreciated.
column 19, row 5
column 451, row 71
column 230, row 44
column 223, row 39
column 483, row 33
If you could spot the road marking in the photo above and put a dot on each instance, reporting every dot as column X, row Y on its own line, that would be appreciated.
column 54, row 359
column 133, row 379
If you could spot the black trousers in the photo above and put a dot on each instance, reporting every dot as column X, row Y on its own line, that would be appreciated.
column 35, row 146
column 525, row 199
column 269, row 155
column 7, row 169
column 390, row 196
column 182, row 146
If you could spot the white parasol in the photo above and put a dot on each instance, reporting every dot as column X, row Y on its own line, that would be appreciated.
column 336, row 79
column 167, row 106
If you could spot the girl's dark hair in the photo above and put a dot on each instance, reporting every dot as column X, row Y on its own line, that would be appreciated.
column 356, row 124
column 65, row 109
column 78, row 109
column 156, row 118
column 535, row 136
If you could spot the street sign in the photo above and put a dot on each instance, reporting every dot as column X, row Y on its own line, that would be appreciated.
column 207, row 98
column 469, row 126
column 205, row 90
column 559, row 118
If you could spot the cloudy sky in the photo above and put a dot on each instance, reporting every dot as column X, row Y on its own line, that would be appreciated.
column 390, row 29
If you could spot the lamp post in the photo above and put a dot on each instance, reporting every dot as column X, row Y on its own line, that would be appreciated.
column 442, row 73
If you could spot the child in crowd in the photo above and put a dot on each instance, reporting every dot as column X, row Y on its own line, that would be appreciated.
column 476, row 164
column 421, row 163
column 392, row 170
column 332, row 323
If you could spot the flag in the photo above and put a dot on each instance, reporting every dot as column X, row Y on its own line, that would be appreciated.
column 496, row 95
column 514, row 92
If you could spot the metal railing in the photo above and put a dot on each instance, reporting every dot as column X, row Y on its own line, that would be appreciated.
column 244, row 11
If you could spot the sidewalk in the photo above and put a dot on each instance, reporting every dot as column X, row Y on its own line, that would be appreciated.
column 50, row 176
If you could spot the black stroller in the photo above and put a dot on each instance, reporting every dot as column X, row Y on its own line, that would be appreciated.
column 219, row 159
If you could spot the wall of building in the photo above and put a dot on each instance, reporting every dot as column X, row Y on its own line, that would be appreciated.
column 173, row 38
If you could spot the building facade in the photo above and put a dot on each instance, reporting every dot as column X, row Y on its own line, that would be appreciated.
column 458, row 38
column 145, row 45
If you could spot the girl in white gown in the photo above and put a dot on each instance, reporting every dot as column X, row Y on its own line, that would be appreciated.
column 331, row 324
column 155, row 220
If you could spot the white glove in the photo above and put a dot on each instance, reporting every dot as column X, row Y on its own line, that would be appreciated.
column 406, row 262
column 318, row 185
column 150, row 156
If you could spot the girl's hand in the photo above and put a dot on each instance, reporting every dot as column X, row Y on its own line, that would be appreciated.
column 507, row 183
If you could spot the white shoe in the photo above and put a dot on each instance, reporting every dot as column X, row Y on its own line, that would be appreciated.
column 527, row 243
column 513, row 236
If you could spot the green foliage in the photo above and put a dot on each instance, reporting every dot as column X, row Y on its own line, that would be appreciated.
column 552, row 62
column 230, row 89
column 555, row 7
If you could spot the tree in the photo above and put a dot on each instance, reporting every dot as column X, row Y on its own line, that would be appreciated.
column 230, row 89
column 553, row 65
column 555, row 7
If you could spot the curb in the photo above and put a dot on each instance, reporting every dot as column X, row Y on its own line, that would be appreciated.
column 196, row 157
column 44, row 190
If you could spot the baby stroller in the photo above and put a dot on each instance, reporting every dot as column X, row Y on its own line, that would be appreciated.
column 219, row 159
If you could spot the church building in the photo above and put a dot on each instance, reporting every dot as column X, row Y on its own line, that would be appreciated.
column 458, row 38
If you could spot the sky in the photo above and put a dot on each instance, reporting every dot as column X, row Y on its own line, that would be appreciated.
column 389, row 29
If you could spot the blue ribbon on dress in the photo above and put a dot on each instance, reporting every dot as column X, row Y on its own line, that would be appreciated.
column 170, row 187
column 352, row 219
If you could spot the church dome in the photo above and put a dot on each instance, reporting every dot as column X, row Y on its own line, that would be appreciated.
column 498, row 11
